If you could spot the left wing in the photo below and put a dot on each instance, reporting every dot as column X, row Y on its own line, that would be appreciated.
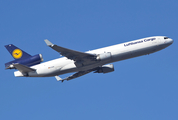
column 78, row 74
column 71, row 54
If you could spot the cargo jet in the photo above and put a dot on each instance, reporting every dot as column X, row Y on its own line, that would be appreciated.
column 81, row 63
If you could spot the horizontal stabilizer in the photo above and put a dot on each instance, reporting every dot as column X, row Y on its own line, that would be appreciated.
column 23, row 68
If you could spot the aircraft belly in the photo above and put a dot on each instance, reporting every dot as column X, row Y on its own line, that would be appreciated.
column 72, row 68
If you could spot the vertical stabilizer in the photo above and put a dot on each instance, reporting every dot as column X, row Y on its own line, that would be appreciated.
column 16, row 52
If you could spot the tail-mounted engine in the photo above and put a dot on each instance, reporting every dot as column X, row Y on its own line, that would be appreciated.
column 30, row 61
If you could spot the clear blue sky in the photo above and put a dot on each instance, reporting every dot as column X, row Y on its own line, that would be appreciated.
column 142, row 88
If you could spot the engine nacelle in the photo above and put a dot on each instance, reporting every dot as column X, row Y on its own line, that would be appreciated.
column 105, row 69
column 104, row 56
column 30, row 61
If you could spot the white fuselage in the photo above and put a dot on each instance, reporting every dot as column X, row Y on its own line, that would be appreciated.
column 118, row 52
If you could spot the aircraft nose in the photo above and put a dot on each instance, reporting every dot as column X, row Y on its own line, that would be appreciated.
column 170, row 41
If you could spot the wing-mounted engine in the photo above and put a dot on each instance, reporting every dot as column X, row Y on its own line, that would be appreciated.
column 29, row 61
column 104, row 56
column 105, row 69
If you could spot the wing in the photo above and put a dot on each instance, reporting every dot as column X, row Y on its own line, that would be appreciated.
column 23, row 68
column 78, row 74
column 71, row 54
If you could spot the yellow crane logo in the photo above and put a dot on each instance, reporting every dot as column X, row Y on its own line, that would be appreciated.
column 17, row 53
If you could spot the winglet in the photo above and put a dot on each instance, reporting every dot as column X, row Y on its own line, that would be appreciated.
column 58, row 78
column 48, row 43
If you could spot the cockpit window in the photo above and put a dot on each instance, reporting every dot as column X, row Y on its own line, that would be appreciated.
column 166, row 38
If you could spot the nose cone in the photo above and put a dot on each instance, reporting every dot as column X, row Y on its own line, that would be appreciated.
column 170, row 41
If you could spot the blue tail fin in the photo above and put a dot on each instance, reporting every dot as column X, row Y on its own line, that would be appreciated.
column 16, row 52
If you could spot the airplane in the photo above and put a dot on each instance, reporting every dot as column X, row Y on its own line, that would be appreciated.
column 97, row 61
